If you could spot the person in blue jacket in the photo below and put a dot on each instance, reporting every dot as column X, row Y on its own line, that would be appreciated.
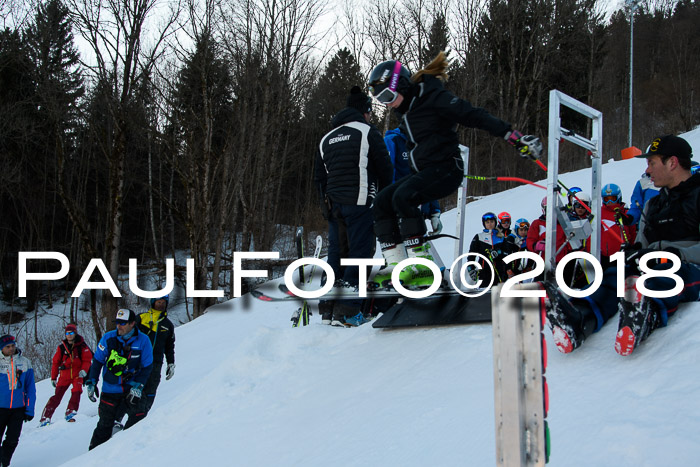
column 17, row 396
column 644, row 190
column 395, row 141
column 125, row 358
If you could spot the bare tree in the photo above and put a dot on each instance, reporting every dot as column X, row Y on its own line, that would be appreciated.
column 122, row 56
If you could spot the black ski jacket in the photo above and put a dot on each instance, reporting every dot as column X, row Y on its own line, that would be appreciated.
column 430, row 115
column 352, row 163
column 672, row 219
column 161, row 332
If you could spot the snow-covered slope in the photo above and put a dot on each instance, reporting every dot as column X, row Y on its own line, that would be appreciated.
column 251, row 391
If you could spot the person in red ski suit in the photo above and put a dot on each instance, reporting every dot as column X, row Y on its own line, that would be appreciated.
column 70, row 365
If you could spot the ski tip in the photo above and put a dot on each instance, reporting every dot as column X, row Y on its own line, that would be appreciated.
column 260, row 296
column 562, row 340
column 624, row 341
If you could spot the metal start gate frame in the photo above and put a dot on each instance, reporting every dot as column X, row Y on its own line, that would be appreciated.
column 594, row 145
column 519, row 348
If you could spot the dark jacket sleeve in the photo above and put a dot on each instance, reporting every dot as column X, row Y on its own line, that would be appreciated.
column 462, row 112
column 320, row 175
column 380, row 159
column 170, row 346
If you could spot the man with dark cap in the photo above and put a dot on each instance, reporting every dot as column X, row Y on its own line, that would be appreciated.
column 670, row 224
column 17, row 396
column 352, row 165
column 160, row 331
column 125, row 358
column 69, row 365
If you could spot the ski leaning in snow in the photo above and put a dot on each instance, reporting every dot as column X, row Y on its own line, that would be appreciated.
column 302, row 314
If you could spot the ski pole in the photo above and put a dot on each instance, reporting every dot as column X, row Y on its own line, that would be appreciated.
column 504, row 179
column 622, row 226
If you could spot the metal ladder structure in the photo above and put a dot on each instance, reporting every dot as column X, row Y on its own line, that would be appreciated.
column 521, row 397
column 594, row 145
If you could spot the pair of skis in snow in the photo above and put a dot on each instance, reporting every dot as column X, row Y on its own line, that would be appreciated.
column 302, row 315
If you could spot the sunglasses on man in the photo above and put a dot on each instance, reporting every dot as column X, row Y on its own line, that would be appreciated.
column 70, row 333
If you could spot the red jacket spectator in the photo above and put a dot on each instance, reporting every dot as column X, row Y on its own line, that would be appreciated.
column 70, row 365
column 70, row 359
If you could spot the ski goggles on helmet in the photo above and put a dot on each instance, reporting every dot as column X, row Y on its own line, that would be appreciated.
column 388, row 94
column 694, row 169
column 488, row 217
column 523, row 225
column 610, row 199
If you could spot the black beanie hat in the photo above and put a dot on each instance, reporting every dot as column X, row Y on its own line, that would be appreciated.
column 359, row 100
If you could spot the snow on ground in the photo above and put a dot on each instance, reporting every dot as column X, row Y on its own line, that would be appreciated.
column 249, row 390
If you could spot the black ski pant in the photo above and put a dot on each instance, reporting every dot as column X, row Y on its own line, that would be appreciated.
column 148, row 395
column 397, row 215
column 111, row 405
column 603, row 302
column 10, row 427
column 350, row 228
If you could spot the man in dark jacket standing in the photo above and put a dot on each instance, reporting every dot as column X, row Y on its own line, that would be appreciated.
column 155, row 324
column 352, row 165
column 125, row 358
column 671, row 224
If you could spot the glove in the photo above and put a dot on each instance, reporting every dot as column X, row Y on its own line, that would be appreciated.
column 494, row 254
column 539, row 246
column 90, row 386
column 28, row 418
column 473, row 273
column 530, row 147
column 82, row 374
column 626, row 219
column 170, row 372
column 53, row 382
column 436, row 223
column 134, row 394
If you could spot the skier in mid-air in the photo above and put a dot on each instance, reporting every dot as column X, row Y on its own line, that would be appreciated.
column 429, row 114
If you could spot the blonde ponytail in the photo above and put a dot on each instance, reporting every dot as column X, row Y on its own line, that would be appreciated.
column 436, row 68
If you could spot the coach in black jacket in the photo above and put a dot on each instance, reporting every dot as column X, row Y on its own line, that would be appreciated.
column 352, row 165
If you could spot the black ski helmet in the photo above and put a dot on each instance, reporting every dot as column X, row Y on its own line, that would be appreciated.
column 488, row 216
column 388, row 78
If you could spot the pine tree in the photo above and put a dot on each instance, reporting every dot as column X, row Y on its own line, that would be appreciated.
column 438, row 39
column 58, row 77
column 329, row 95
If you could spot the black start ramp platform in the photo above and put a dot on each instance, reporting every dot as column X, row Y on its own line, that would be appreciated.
column 436, row 311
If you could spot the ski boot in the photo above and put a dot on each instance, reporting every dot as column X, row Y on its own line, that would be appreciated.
column 44, row 421
column 393, row 254
column 70, row 415
column 415, row 276
column 570, row 326
column 325, row 309
column 639, row 316
column 347, row 316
